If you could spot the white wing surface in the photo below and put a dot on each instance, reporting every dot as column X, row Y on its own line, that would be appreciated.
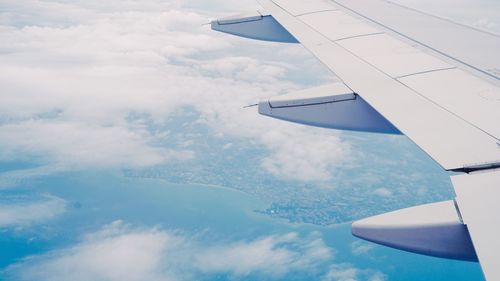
column 431, row 79
column 451, row 114
column 477, row 196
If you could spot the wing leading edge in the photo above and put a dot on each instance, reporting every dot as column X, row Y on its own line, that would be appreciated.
column 438, row 101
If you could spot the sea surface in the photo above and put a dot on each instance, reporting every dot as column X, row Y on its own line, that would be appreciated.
column 210, row 213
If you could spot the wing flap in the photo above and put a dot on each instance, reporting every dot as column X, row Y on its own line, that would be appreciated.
column 467, row 96
column 391, row 56
column 461, row 45
column 345, row 26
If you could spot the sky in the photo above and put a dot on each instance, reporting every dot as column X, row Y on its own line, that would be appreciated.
column 120, row 98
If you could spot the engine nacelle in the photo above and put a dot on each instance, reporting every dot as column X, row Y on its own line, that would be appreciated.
column 433, row 229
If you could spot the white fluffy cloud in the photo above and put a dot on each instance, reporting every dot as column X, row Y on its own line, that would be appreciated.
column 121, row 252
column 25, row 213
column 271, row 256
column 74, row 72
column 77, row 144
column 382, row 191
column 304, row 154
column 346, row 272
column 361, row 247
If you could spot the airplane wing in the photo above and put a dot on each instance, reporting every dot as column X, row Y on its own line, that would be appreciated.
column 403, row 72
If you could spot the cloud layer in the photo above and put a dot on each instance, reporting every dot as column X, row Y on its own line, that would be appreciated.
column 75, row 76
column 121, row 252
column 28, row 212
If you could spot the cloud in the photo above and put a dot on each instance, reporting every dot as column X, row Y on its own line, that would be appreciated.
column 382, row 191
column 346, row 272
column 74, row 75
column 361, row 248
column 122, row 252
column 19, row 176
column 75, row 144
column 84, row 82
column 304, row 154
column 30, row 212
column 271, row 256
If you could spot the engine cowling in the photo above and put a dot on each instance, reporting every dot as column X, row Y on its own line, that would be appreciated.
column 433, row 229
